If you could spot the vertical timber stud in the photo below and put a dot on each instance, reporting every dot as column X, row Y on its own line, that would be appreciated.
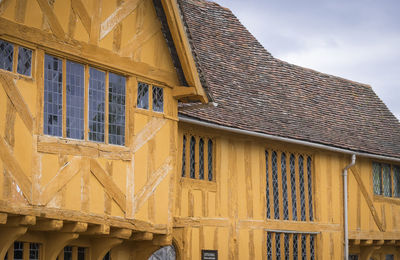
column 64, row 98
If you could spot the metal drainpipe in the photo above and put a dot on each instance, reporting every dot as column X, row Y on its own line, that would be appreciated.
column 346, row 223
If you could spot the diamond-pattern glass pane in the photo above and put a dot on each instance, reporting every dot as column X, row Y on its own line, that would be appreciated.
column 284, row 187
column 293, row 185
column 192, row 157
column 387, row 180
column 278, row 246
column 269, row 246
column 376, row 174
column 309, row 177
column 33, row 251
column 18, row 251
column 158, row 99
column 116, row 109
column 81, row 253
column 275, row 184
column 302, row 191
column 143, row 96
column 295, row 247
column 312, row 247
column 210, row 159
column 24, row 66
column 52, row 115
column 201, row 159
column 267, row 184
column 286, row 246
column 96, row 105
column 353, row 257
column 68, row 253
column 184, row 156
column 75, row 100
column 303, row 247
column 396, row 181
column 6, row 55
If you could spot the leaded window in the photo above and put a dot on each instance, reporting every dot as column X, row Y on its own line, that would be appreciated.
column 269, row 246
column 290, row 245
column 75, row 100
column 267, row 185
column 303, row 247
column 275, row 185
column 210, row 159
column 353, row 257
column 184, row 156
column 158, row 99
column 24, row 58
column 68, row 253
column 286, row 246
column 295, row 247
column 143, row 96
column 293, row 185
column 81, row 253
column 278, row 245
column 312, row 247
column 24, row 61
column 284, row 187
column 52, row 96
column 302, row 189
column 6, row 55
column 192, row 157
column 116, row 109
column 18, row 251
column 201, row 159
column 310, row 205
column 386, row 179
column 96, row 105
column 33, row 251
column 83, row 94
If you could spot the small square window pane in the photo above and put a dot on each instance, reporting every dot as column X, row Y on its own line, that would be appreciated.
column 143, row 96
column 158, row 99
column 24, row 61
column 6, row 55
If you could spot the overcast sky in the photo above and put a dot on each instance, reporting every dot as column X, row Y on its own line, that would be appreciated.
column 355, row 39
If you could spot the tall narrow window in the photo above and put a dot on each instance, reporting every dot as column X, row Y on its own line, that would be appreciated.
column 52, row 96
column 293, row 186
column 210, row 159
column 312, row 247
column 143, row 96
column 275, row 184
column 303, row 247
column 286, row 246
column 96, row 105
column 278, row 245
column 24, row 61
column 377, row 178
column 68, row 253
column 192, row 157
column 158, row 99
column 33, row 251
column 116, row 109
column 387, row 180
column 310, row 205
column 184, row 156
column 6, row 55
column 302, row 190
column 269, row 246
column 396, row 181
column 201, row 159
column 81, row 253
column 75, row 100
column 295, row 246
column 267, row 184
column 18, row 251
column 284, row 187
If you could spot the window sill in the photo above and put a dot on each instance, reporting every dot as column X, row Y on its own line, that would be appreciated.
column 154, row 113
column 198, row 184
column 381, row 198
column 57, row 145
column 17, row 76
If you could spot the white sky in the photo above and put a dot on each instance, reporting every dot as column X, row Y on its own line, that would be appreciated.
column 354, row 39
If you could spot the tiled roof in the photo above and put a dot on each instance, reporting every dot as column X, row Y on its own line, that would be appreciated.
column 260, row 93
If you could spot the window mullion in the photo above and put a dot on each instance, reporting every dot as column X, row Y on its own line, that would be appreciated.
column 150, row 97
column 15, row 58
column 26, row 251
column 86, row 104
column 106, row 108
column 64, row 98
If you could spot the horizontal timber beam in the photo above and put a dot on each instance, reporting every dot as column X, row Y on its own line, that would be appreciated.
column 182, row 92
column 140, row 236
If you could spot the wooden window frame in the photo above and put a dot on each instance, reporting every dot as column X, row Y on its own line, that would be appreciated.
column 26, row 250
column 86, row 69
column 150, row 94
column 382, row 196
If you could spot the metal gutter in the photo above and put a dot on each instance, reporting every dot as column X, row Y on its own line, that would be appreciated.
column 292, row 231
column 285, row 139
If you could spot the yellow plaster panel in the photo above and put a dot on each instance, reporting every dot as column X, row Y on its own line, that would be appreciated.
column 33, row 16
column 119, row 174
column 163, row 199
column 258, row 247
column 73, row 193
column 198, row 203
column 1, row 180
column 9, row 13
column 61, row 10
column 50, row 168
column 223, row 178
column 211, row 204
column 184, row 203
column 128, row 28
column 80, row 33
column 3, row 109
column 223, row 245
column 96, row 200
column 28, row 92
column 243, row 244
column 23, row 146
column 116, row 210
column 195, row 244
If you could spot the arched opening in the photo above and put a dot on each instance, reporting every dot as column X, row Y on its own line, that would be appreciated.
column 164, row 253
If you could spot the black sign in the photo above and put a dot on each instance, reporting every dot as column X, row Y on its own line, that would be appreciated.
column 209, row 254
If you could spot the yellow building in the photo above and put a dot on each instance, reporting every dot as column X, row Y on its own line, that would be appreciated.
column 127, row 126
